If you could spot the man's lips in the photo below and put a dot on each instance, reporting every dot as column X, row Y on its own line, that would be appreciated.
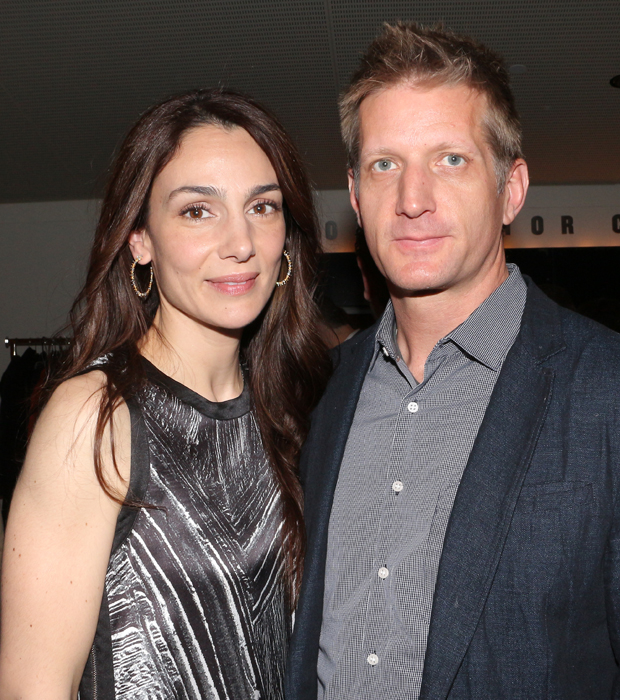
column 419, row 242
column 233, row 284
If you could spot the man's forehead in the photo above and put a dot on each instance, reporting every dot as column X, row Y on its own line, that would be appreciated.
column 418, row 88
column 405, row 107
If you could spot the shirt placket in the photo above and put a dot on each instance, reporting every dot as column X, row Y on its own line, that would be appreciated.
column 395, row 497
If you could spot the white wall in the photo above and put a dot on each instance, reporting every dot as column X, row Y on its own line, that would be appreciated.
column 592, row 212
column 44, row 246
column 43, row 252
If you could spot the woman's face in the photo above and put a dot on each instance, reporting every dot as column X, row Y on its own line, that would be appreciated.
column 215, row 230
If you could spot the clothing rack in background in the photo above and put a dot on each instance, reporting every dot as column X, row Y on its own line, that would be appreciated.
column 12, row 343
column 18, row 386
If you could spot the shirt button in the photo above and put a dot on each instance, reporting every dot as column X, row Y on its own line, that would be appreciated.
column 383, row 572
column 372, row 659
column 397, row 486
column 412, row 407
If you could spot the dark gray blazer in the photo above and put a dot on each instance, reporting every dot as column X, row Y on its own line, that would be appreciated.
column 527, row 602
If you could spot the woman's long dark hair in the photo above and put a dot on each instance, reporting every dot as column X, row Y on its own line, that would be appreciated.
column 287, row 361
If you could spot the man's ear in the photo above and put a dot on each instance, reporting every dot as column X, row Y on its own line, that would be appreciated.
column 353, row 196
column 139, row 246
column 515, row 190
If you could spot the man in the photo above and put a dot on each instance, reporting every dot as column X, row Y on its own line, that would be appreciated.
column 461, row 474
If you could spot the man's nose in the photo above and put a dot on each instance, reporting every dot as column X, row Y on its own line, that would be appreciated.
column 415, row 192
column 237, row 240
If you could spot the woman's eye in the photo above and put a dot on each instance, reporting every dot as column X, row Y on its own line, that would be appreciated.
column 196, row 213
column 384, row 165
column 453, row 159
column 263, row 208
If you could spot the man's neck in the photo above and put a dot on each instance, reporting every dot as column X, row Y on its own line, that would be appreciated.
column 422, row 320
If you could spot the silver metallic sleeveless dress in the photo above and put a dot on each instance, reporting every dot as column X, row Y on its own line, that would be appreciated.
column 194, row 605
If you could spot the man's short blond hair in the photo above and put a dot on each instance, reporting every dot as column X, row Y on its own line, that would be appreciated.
column 409, row 53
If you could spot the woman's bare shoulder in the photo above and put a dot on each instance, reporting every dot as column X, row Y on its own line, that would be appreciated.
column 65, row 432
column 80, row 395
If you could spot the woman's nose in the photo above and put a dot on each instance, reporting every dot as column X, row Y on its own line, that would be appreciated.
column 237, row 240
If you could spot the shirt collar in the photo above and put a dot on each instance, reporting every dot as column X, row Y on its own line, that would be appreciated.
column 486, row 335
column 385, row 339
column 489, row 332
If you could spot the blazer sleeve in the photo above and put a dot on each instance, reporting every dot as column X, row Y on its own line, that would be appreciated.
column 612, row 591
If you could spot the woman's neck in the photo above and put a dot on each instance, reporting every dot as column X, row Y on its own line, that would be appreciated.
column 204, row 359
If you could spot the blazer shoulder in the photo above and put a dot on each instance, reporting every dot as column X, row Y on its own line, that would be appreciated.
column 581, row 352
column 581, row 329
column 352, row 350
column 549, row 330
column 591, row 341
column 350, row 362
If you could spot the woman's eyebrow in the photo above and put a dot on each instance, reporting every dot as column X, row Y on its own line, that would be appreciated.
column 211, row 191
column 261, row 189
column 205, row 191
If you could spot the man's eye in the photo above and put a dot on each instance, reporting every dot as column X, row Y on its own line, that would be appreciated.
column 383, row 165
column 453, row 159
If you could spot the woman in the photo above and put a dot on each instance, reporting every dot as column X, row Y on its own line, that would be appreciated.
column 158, row 512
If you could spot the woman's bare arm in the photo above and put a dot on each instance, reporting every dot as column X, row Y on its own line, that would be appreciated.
column 57, row 546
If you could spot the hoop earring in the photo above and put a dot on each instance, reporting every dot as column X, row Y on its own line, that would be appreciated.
column 288, row 272
column 142, row 295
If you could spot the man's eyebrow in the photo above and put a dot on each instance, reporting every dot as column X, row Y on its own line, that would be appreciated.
column 262, row 189
column 380, row 151
column 443, row 146
column 208, row 191
column 454, row 146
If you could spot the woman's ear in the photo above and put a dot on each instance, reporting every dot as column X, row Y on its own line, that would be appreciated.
column 139, row 246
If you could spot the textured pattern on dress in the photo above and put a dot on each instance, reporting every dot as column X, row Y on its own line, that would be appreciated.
column 197, row 605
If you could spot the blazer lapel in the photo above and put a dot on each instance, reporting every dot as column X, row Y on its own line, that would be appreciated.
column 319, row 470
column 324, row 450
column 488, row 494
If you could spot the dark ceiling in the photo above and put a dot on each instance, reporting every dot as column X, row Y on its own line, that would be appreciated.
column 74, row 74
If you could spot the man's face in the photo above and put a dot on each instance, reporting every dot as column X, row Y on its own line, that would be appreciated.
column 427, row 192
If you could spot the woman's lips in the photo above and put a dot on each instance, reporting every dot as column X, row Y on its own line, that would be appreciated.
column 233, row 285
